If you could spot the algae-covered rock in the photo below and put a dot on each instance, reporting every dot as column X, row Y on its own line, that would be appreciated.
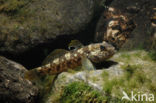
column 25, row 24
column 135, row 71
column 92, row 79
column 13, row 87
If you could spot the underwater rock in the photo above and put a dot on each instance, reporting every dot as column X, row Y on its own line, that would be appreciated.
column 35, row 22
column 134, row 69
column 13, row 87
column 92, row 78
column 153, row 23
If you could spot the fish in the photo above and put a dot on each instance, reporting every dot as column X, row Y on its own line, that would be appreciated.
column 96, row 52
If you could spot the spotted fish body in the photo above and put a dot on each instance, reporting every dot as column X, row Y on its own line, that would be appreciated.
column 95, row 52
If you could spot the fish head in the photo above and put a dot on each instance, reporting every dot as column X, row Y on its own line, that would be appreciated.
column 101, row 51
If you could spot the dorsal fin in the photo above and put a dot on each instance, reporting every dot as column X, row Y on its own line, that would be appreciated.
column 54, row 54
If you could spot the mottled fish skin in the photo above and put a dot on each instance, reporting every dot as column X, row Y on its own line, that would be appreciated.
column 96, row 52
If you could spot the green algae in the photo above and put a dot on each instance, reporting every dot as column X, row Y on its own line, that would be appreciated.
column 134, row 79
column 80, row 92
column 152, row 54
column 138, row 76
column 12, row 6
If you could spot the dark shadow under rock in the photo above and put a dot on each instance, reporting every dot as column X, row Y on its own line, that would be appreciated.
column 105, row 64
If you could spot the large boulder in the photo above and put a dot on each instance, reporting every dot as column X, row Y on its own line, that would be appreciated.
column 25, row 24
column 13, row 87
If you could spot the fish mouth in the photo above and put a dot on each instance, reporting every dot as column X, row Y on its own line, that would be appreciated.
column 112, row 49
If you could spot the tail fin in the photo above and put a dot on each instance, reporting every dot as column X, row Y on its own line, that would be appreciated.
column 41, row 80
column 32, row 75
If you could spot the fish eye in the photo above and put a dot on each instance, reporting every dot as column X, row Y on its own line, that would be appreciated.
column 113, row 39
column 102, row 48
column 71, row 48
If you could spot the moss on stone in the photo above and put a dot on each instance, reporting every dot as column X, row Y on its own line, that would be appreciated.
column 152, row 54
column 80, row 92
column 139, row 71
column 12, row 6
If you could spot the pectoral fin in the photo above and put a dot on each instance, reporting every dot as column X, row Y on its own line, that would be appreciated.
column 87, row 64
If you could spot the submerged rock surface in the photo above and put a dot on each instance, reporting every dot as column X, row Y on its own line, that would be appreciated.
column 25, row 24
column 111, row 81
column 13, row 87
